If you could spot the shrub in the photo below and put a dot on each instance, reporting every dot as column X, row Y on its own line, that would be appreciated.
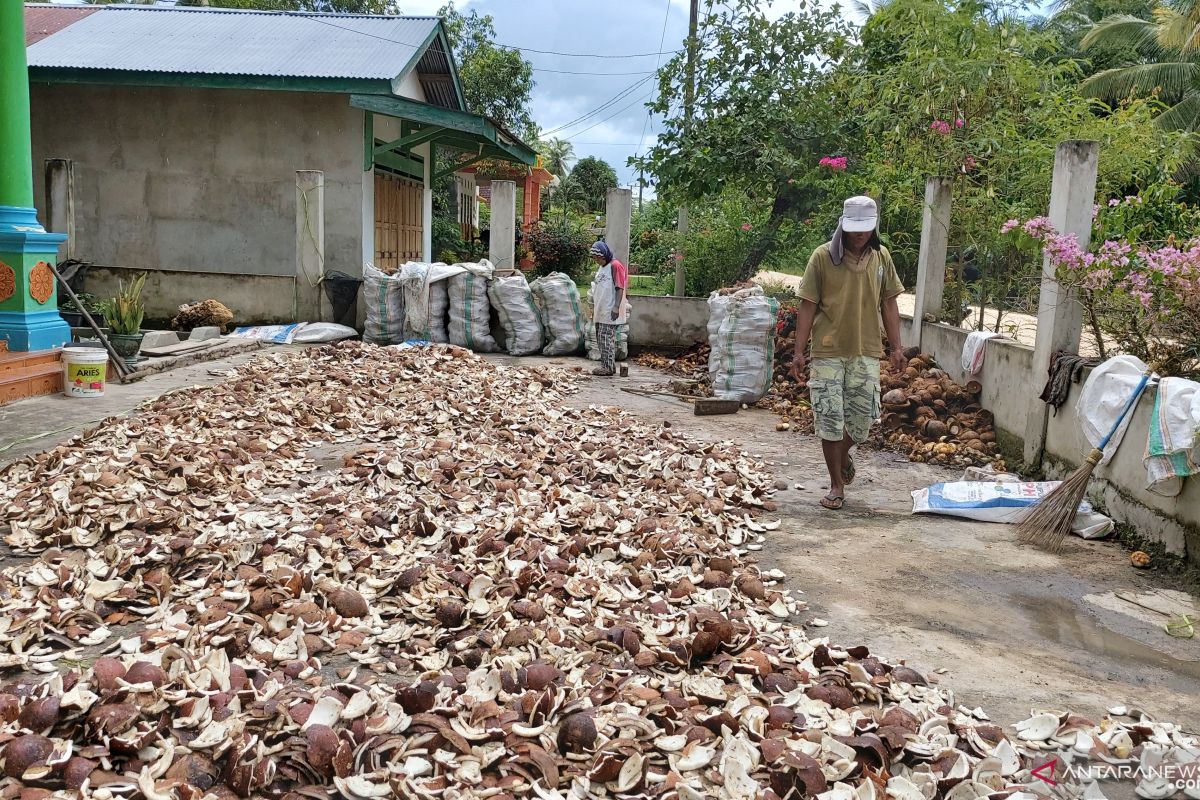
column 560, row 246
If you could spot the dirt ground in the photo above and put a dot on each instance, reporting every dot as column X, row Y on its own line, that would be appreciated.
column 1012, row 627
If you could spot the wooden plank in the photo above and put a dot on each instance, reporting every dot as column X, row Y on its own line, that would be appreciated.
column 710, row 406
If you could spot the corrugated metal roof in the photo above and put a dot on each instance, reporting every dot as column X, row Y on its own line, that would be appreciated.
column 227, row 42
column 41, row 21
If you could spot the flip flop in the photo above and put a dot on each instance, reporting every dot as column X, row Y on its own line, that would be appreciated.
column 849, row 472
column 833, row 503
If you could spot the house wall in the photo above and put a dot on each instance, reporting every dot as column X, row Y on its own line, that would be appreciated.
column 203, row 180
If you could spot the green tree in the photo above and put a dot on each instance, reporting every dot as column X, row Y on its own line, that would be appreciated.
column 764, row 114
column 1169, row 34
column 557, row 155
column 940, row 88
column 588, row 184
column 1072, row 20
column 497, row 81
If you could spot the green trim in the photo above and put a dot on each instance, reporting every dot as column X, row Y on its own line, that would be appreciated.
column 368, row 141
column 464, row 131
column 415, row 111
column 408, row 166
column 118, row 77
column 405, row 143
column 417, row 55
column 442, row 173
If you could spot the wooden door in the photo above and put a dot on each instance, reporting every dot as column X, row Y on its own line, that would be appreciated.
column 398, row 213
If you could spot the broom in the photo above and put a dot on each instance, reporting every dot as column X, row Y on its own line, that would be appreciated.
column 1048, row 523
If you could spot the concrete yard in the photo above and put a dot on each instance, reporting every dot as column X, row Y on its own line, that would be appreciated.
column 1014, row 628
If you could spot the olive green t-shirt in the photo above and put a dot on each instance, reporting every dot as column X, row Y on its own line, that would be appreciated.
column 848, row 321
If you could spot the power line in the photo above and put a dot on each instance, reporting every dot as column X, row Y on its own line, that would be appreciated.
column 417, row 47
column 660, row 53
column 610, row 116
column 615, row 99
column 649, row 112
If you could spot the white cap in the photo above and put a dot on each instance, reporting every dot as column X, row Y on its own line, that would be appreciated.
column 859, row 214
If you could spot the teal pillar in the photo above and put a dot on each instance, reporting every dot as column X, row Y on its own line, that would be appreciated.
column 29, row 318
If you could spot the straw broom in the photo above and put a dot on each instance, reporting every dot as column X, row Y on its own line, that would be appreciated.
column 1048, row 523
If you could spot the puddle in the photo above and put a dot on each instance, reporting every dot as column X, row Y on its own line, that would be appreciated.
column 1061, row 621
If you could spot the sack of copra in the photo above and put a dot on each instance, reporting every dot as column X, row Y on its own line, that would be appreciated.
column 519, row 316
column 384, row 296
column 742, row 363
column 470, row 311
column 718, row 309
column 561, row 309
column 426, row 300
column 1002, row 501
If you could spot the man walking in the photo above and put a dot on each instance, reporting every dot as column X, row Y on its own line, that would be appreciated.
column 848, row 300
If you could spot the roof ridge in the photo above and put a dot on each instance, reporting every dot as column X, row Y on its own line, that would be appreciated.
column 250, row 11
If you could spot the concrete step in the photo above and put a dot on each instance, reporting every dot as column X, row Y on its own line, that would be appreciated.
column 33, row 380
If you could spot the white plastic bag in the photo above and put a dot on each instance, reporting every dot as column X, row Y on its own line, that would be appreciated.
column 519, row 317
column 718, row 309
column 384, row 297
column 561, row 308
column 318, row 332
column 1105, row 395
column 742, row 363
column 1001, row 501
column 470, row 311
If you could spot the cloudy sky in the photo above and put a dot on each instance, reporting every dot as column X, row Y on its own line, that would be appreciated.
column 613, row 27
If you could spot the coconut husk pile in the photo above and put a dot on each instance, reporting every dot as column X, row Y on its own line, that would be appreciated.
column 360, row 572
column 202, row 314
column 937, row 420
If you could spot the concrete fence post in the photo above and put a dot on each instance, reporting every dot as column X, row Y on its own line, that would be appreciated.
column 931, row 258
column 618, row 220
column 310, row 246
column 60, row 202
column 502, row 246
column 681, row 254
column 1060, row 317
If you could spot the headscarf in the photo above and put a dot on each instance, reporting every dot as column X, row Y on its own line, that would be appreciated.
column 603, row 250
column 836, row 249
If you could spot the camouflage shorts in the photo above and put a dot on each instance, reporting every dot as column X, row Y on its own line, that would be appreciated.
column 845, row 396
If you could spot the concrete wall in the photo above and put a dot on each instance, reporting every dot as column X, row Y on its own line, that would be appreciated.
column 1119, row 489
column 667, row 322
column 202, row 180
column 252, row 298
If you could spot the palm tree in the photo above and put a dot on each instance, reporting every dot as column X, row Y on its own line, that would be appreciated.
column 557, row 155
column 1172, row 41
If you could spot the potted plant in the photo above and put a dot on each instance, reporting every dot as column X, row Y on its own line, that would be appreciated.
column 73, row 313
column 124, row 313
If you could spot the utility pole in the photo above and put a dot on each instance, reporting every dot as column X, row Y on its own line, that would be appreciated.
column 689, row 102
column 641, row 186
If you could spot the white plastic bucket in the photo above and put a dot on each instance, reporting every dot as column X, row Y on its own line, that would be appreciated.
column 84, row 371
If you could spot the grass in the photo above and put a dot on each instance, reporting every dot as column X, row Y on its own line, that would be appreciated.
column 651, row 285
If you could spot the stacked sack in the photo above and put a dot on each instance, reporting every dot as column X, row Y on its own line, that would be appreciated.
column 426, row 300
column 741, row 333
column 561, row 310
column 384, row 295
column 519, row 316
column 470, row 310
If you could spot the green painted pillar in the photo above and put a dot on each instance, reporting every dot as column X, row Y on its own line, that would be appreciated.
column 29, row 318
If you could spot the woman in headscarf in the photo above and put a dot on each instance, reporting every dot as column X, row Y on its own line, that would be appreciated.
column 609, row 309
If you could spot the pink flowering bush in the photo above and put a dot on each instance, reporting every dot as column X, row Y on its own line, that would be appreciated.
column 1143, row 297
column 837, row 164
column 940, row 127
